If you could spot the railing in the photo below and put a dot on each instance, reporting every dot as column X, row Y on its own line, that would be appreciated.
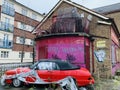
column 8, row 10
column 9, row 66
column 6, row 27
column 6, row 43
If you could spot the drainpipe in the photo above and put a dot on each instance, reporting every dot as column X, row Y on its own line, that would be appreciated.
column 92, row 55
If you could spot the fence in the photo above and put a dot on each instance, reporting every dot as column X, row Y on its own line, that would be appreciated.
column 8, row 66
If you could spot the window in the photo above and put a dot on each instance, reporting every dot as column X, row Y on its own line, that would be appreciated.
column 48, row 66
column 113, row 50
column 4, row 54
column 23, row 26
column 5, row 42
column 8, row 8
column 34, row 16
column 7, row 21
column 24, row 12
column 20, row 54
column 31, row 42
column 31, row 55
column 32, row 28
column 20, row 40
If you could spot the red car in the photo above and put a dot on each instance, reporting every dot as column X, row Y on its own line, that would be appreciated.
column 45, row 71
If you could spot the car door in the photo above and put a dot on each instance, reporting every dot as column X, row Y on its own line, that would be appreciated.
column 58, row 74
column 44, row 71
column 63, row 71
column 55, row 72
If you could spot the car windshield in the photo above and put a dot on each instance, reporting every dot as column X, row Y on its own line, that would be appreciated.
column 34, row 65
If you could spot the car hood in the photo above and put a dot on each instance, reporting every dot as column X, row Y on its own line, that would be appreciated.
column 17, row 71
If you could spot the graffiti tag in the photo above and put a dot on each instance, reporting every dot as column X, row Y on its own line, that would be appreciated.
column 100, row 55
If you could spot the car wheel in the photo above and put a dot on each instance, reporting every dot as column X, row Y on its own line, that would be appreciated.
column 2, row 81
column 16, row 82
column 82, row 88
column 90, row 87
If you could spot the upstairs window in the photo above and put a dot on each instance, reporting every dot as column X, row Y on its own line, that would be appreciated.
column 24, row 12
column 31, row 42
column 34, row 16
column 23, row 26
column 20, row 40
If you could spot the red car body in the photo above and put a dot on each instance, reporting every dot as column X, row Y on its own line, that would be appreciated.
column 43, row 70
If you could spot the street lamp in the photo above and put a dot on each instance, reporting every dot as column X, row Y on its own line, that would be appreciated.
column 22, row 54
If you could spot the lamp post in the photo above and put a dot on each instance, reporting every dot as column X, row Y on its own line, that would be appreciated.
column 22, row 54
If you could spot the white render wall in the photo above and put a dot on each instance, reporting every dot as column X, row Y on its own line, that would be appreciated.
column 1, row 2
column 14, row 57
column 3, row 16
column 18, row 8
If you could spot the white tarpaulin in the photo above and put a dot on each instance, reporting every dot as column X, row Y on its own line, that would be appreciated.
column 66, row 84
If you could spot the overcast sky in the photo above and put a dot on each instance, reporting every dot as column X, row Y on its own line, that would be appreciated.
column 44, row 6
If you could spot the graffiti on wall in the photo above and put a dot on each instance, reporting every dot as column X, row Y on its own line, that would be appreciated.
column 102, row 70
column 100, row 55
column 73, row 53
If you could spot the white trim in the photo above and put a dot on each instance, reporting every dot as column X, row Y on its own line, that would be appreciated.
column 104, row 22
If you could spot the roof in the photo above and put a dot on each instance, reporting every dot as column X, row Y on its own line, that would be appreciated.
column 63, row 64
column 108, row 8
column 73, row 4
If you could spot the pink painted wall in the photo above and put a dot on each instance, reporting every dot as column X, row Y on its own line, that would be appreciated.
column 65, row 48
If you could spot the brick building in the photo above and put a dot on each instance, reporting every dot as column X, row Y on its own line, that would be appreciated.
column 16, row 23
column 112, row 11
column 69, row 24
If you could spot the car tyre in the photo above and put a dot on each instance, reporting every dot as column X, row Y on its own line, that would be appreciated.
column 82, row 88
column 89, row 87
column 16, row 82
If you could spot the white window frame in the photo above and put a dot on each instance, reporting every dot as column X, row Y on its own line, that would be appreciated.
column 20, row 55
column 24, row 12
column 23, row 26
column 31, row 54
column 34, row 16
column 31, row 42
column 4, row 54
column 20, row 40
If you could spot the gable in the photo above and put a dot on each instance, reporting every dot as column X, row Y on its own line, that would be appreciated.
column 64, row 9
column 68, row 3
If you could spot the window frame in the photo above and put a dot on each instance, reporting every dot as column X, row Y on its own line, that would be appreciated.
column 4, row 54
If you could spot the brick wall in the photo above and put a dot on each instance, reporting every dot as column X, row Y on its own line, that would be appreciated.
column 25, row 19
column 116, row 16
column 22, row 33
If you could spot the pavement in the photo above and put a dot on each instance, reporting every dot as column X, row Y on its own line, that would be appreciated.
column 108, row 84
